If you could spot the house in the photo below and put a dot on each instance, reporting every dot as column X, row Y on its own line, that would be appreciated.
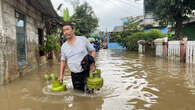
column 136, row 19
column 189, row 26
column 149, row 22
column 188, row 30
column 22, row 27
column 148, row 16
column 118, row 29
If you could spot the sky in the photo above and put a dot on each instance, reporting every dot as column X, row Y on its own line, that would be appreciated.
column 108, row 12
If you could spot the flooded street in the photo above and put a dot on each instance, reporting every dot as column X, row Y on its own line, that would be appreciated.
column 131, row 82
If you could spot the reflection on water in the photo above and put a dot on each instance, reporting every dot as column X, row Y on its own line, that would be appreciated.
column 131, row 82
column 190, row 77
column 128, row 77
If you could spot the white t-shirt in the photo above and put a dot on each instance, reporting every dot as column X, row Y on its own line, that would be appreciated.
column 74, row 54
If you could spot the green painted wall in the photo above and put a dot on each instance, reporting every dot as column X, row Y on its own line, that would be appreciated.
column 189, row 31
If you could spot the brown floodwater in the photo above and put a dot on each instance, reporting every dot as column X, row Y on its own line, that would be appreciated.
column 131, row 82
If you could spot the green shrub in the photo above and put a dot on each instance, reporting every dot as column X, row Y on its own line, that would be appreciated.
column 170, row 35
column 51, row 44
column 153, row 34
column 131, row 41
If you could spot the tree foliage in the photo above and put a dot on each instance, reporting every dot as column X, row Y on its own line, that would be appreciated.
column 51, row 44
column 84, row 19
column 132, row 26
column 153, row 34
column 129, row 27
column 173, row 12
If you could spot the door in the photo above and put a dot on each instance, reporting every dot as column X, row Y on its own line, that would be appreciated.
column 40, row 34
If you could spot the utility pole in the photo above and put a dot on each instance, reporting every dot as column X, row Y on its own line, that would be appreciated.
column 108, row 37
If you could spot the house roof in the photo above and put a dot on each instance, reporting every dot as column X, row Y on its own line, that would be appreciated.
column 118, row 29
column 45, row 7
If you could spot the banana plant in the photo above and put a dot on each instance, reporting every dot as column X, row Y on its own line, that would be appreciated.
column 66, row 16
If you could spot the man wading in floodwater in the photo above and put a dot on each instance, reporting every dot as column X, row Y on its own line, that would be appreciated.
column 72, row 53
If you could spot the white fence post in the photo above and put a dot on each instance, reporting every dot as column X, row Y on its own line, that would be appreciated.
column 174, row 50
column 190, row 52
column 161, row 47
column 141, row 44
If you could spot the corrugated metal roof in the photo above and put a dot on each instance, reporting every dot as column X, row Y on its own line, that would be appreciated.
column 44, row 6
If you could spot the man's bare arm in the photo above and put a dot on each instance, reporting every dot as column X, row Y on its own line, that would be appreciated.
column 62, row 68
column 93, row 53
column 92, row 66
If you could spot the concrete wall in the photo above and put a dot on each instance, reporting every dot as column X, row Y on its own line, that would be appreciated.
column 33, row 22
column 2, row 65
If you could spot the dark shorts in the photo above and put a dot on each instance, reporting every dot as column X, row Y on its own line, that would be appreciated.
column 79, row 80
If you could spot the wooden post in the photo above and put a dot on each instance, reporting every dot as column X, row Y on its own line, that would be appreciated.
column 182, row 52
column 183, row 49
column 165, row 50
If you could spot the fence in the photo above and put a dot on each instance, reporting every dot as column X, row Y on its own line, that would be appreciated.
column 177, row 50
column 141, row 46
column 159, row 49
column 190, row 52
column 174, row 50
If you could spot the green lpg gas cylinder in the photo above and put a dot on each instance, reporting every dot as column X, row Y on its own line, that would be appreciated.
column 57, row 86
column 95, row 81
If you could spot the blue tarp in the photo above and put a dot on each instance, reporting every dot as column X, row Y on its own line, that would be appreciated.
column 163, row 30
column 114, row 45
